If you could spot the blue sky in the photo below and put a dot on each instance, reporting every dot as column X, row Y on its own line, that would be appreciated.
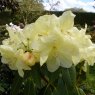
column 86, row 0
column 80, row 0
column 61, row 5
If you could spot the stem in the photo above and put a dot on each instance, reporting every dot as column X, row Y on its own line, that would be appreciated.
column 47, row 81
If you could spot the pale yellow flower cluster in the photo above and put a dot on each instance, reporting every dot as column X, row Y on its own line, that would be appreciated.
column 51, row 40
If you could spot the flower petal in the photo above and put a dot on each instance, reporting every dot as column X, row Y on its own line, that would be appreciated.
column 52, row 64
column 66, row 20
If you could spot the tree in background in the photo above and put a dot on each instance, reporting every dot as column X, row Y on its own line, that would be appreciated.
column 22, row 10
column 9, row 4
column 30, row 6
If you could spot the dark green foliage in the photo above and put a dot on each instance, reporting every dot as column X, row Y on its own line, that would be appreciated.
column 5, row 18
column 81, row 18
column 6, row 79
column 37, row 82
column 9, row 4
column 16, row 85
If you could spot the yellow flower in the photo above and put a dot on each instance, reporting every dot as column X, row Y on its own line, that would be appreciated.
column 66, row 21
column 13, row 59
column 59, row 43
column 55, row 50
column 85, row 45
column 52, row 40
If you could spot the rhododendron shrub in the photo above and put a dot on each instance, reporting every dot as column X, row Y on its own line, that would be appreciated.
column 53, row 42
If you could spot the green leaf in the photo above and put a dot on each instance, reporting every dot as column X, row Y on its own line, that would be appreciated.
column 81, row 91
column 36, row 77
column 1, row 89
column 69, row 76
column 29, row 88
column 54, row 75
column 72, row 72
column 16, row 85
column 47, row 90
column 66, row 82
column 62, row 88
column 69, row 79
